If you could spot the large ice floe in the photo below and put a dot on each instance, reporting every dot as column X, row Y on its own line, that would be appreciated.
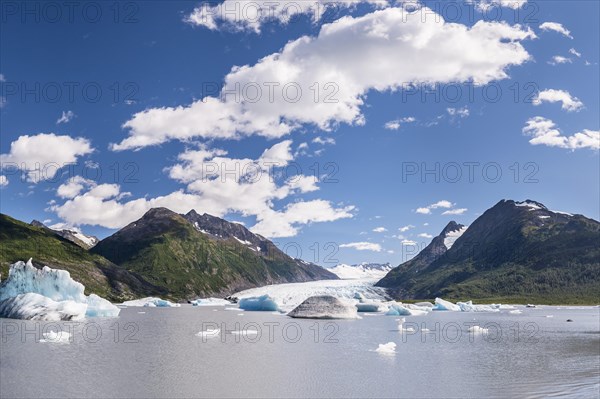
column 151, row 302
column 441, row 304
column 324, row 307
column 48, row 294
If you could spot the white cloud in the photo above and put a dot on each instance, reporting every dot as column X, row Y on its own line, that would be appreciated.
column 363, row 246
column 544, row 132
column 575, row 53
column 215, row 184
column 485, row 5
column 559, row 59
column 406, row 228
column 396, row 123
column 425, row 235
column 415, row 50
column 408, row 242
column 66, row 117
column 379, row 230
column 40, row 156
column 73, row 187
column 426, row 210
column 240, row 15
column 3, row 181
column 423, row 211
column 323, row 141
column 461, row 112
column 569, row 103
column 457, row 211
column 556, row 27
column 2, row 78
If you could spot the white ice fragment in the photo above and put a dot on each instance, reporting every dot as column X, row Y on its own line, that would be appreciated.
column 478, row 330
column 210, row 302
column 54, row 337
column 209, row 333
column 386, row 349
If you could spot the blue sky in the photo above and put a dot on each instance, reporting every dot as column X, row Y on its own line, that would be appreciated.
column 510, row 89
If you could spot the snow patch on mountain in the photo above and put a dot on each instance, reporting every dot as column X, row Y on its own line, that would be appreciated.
column 452, row 236
column 361, row 271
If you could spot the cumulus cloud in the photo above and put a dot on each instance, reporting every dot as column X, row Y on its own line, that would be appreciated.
column 425, row 235
column 379, row 230
column 415, row 50
column 569, row 103
column 457, row 211
column 545, row 132
column 556, row 27
column 323, row 141
column 426, row 210
column 559, row 59
column 408, row 242
column 575, row 52
column 404, row 229
column 42, row 155
column 485, row 5
column 3, row 181
column 362, row 246
column 66, row 117
column 216, row 184
column 240, row 15
column 396, row 123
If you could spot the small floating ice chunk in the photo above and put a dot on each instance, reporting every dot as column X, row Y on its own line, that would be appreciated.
column 478, row 330
column 210, row 333
column 54, row 337
column 516, row 311
column 262, row 303
column 386, row 349
column 245, row 332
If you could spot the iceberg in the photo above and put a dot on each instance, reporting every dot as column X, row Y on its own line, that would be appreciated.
column 441, row 304
column 324, row 307
column 397, row 309
column 151, row 302
column 469, row 307
column 48, row 294
column 364, row 305
column 210, row 302
column 263, row 303
column 32, row 306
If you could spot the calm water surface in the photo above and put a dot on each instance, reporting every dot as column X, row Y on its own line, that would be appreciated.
column 157, row 354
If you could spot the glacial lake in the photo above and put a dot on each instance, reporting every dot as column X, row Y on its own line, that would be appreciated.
column 155, row 352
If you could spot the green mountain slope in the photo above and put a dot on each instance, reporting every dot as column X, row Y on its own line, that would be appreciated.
column 519, row 252
column 196, row 255
column 21, row 241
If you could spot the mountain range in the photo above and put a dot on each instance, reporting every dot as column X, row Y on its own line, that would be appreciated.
column 515, row 251
column 163, row 253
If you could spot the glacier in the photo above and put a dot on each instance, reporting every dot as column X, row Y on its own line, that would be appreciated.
column 48, row 294
column 263, row 303
column 288, row 296
column 151, row 302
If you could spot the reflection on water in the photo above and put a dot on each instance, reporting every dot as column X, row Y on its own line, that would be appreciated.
column 160, row 354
